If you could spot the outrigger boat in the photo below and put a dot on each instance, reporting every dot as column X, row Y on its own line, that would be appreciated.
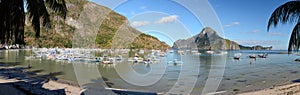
column 119, row 58
column 237, row 56
column 108, row 60
column 252, row 56
column 263, row 55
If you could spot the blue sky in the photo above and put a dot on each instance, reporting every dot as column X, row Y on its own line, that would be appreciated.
column 243, row 21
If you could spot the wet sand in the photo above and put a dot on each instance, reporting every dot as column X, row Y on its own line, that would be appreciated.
column 290, row 89
column 69, row 89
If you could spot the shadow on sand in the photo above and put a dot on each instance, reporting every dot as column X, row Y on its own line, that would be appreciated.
column 30, row 83
column 103, row 86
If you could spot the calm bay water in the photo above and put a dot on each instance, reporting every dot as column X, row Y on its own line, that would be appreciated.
column 239, row 75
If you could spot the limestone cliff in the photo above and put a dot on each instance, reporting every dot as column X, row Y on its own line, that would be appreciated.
column 207, row 39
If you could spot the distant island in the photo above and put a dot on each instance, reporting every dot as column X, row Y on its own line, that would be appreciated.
column 208, row 39
column 257, row 47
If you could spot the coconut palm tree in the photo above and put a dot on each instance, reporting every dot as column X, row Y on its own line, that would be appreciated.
column 288, row 13
column 14, row 12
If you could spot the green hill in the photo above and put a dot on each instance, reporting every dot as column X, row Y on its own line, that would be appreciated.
column 114, row 26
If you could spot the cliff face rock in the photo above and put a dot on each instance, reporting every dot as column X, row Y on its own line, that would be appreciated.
column 82, row 15
column 207, row 39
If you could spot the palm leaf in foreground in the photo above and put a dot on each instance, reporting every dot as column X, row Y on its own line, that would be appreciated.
column 12, row 17
column 288, row 12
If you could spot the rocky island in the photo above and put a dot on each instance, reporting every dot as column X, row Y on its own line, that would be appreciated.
column 208, row 39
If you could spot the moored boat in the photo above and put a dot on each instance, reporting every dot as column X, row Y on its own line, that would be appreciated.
column 210, row 52
column 108, row 61
column 252, row 56
column 262, row 55
column 237, row 56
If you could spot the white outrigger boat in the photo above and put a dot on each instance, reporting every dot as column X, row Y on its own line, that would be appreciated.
column 194, row 52
column 62, row 57
column 136, row 60
column 252, row 56
column 210, row 52
column 107, row 60
column 151, row 60
column 78, row 58
column 262, row 55
column 237, row 56
column 119, row 58
column 147, row 61
column 162, row 54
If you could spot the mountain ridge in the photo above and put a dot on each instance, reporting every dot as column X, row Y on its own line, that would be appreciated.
column 208, row 39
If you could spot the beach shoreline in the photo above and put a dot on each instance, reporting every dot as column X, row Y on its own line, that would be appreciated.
column 284, row 89
column 19, row 81
column 72, row 88
column 9, row 89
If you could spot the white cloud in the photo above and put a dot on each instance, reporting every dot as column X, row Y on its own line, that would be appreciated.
column 277, row 34
column 253, row 31
column 168, row 19
column 143, row 7
column 232, row 24
column 139, row 23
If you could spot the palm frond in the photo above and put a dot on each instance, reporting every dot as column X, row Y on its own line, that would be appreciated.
column 34, row 15
column 12, row 17
column 18, row 21
column 4, row 20
column 295, row 39
column 58, row 6
column 12, row 20
column 37, row 11
column 45, row 15
column 288, row 12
